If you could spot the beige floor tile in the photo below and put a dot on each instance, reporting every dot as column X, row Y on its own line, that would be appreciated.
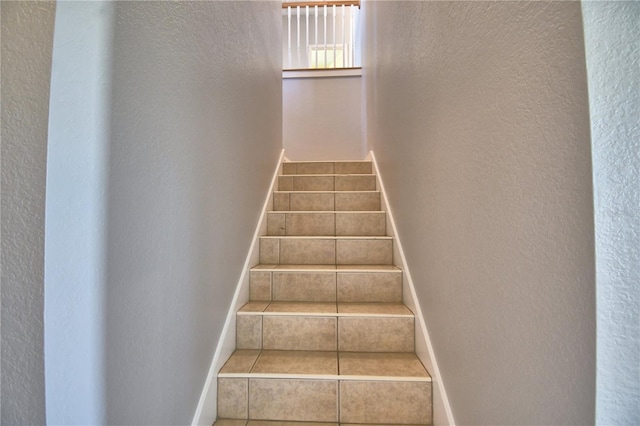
column 371, row 334
column 304, row 286
column 352, row 167
column 354, row 183
column 302, row 251
column 281, row 201
column 357, row 201
column 310, row 267
column 367, row 268
column 313, row 183
column 289, row 168
column 262, row 267
column 374, row 308
column 277, row 423
column 227, row 422
column 259, row 286
column 300, row 400
column 249, row 331
column 285, row 183
column 310, row 224
column 381, row 364
column 306, row 201
column 233, row 394
column 369, row 287
column 385, row 402
column 364, row 251
column 254, row 306
column 303, row 307
column 300, row 333
column 297, row 362
column 314, row 168
column 357, row 223
column 241, row 361
column 269, row 250
column 276, row 224
column 371, row 424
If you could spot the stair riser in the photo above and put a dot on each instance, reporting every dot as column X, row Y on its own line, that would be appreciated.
column 323, row 224
column 385, row 402
column 325, row 333
column 344, row 401
column 326, row 201
column 318, row 251
column 316, row 168
column 327, row 183
column 354, row 287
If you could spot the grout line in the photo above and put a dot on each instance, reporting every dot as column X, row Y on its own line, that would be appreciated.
column 362, row 315
column 303, row 376
column 286, row 220
column 248, row 393
column 338, row 391
column 256, row 360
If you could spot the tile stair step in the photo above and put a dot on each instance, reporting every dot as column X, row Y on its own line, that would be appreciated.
column 326, row 223
column 328, row 182
column 325, row 339
column 231, row 422
column 326, row 200
column 326, row 167
column 322, row 326
column 345, row 387
column 326, row 250
column 326, row 283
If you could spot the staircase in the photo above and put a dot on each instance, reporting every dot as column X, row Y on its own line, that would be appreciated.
column 325, row 338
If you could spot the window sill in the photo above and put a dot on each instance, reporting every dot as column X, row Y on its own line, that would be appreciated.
column 322, row 73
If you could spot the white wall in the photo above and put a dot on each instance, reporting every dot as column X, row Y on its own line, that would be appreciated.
column 478, row 115
column 174, row 182
column 79, row 137
column 322, row 118
column 27, row 38
column 611, row 38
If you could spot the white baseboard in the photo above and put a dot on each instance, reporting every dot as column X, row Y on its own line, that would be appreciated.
column 206, row 410
column 442, row 414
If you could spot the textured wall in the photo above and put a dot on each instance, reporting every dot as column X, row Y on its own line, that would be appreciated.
column 27, row 34
column 478, row 114
column 75, row 236
column 196, row 131
column 322, row 118
column 613, row 65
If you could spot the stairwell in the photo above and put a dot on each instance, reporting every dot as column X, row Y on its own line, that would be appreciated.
column 325, row 338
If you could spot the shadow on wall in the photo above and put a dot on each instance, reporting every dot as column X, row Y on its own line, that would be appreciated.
column 322, row 118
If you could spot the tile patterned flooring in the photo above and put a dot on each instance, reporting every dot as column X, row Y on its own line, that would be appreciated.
column 325, row 338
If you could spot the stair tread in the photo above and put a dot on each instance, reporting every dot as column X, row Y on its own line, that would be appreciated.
column 345, row 192
column 328, row 174
column 289, row 161
column 328, row 237
column 326, row 268
column 231, row 422
column 345, row 365
column 326, row 309
column 326, row 212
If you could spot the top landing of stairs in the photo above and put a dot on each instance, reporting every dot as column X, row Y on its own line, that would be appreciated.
column 327, row 168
